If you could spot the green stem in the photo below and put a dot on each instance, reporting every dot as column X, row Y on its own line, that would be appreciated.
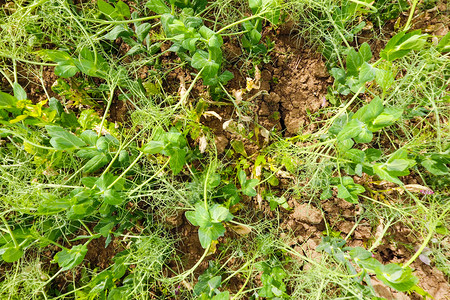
column 422, row 247
column 150, row 179
column 238, row 22
column 186, row 95
column 108, row 105
column 411, row 14
column 126, row 170
column 5, row 222
column 121, row 22
column 87, row 228
column 374, row 9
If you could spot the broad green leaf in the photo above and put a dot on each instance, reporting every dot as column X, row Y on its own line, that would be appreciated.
column 353, row 62
column 118, row 31
column 397, row 165
column 87, row 153
column 177, row 159
column 19, row 92
column 370, row 111
column 222, row 296
column 219, row 213
column 210, row 233
column 201, row 217
column 365, row 136
column 384, row 78
column 191, row 217
column 249, row 187
column 372, row 154
column 383, row 173
column 70, row 258
column 62, row 139
column 123, row 9
column 365, row 52
column 90, row 137
column 386, row 118
column 214, row 282
column 153, row 147
column 366, row 73
column 403, row 43
column 96, row 162
column 444, row 44
column 142, row 30
column 204, row 235
column 225, row 77
column 158, row 6
column 112, row 197
column 66, row 69
column 7, row 101
column 106, row 8
column 350, row 130
column 435, row 167
column 360, row 253
column 343, row 192
column 396, row 277
column 238, row 146
column 12, row 254
column 355, row 155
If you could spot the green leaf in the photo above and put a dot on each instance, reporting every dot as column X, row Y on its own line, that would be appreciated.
column 142, row 30
column 350, row 130
column 355, row 155
column 353, row 62
column 239, row 147
column 200, row 60
column 118, row 31
column 222, row 296
column 360, row 253
column 106, row 9
column 177, row 159
column 249, row 187
column 62, row 139
column 397, row 165
column 384, row 78
column 403, row 43
column 383, row 173
column 158, row 6
column 19, row 92
column 435, row 166
column 444, row 44
column 396, row 277
column 211, row 233
column 219, row 213
column 66, row 69
column 12, row 254
column 366, row 73
column 96, row 162
column 153, row 147
column 112, row 197
column 7, row 101
column 365, row 52
column 123, row 9
column 191, row 217
column 386, row 118
column 70, row 258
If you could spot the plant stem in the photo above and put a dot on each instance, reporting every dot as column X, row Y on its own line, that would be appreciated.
column 108, row 105
column 126, row 170
column 5, row 222
column 422, row 247
column 411, row 14
column 150, row 179
column 186, row 95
